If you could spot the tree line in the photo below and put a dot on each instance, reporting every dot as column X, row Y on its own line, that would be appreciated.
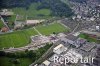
column 33, row 55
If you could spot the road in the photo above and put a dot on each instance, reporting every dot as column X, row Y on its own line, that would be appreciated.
column 32, row 46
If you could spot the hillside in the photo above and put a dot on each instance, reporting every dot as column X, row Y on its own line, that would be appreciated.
column 57, row 7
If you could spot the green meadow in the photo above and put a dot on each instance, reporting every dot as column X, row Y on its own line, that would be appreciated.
column 49, row 29
column 16, row 39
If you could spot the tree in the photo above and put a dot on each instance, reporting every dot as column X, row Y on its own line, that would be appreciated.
column 11, row 55
column 2, row 53
column 31, row 55
column 54, row 33
column 15, row 61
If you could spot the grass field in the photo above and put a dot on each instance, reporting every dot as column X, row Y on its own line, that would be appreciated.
column 32, row 11
column 22, row 38
column 89, row 38
column 11, row 20
column 1, row 24
column 4, row 61
column 16, row 39
column 49, row 29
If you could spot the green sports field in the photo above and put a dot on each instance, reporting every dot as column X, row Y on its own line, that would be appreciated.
column 16, row 39
column 49, row 29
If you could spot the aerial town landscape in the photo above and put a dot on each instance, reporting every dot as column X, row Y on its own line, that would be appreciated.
column 49, row 32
